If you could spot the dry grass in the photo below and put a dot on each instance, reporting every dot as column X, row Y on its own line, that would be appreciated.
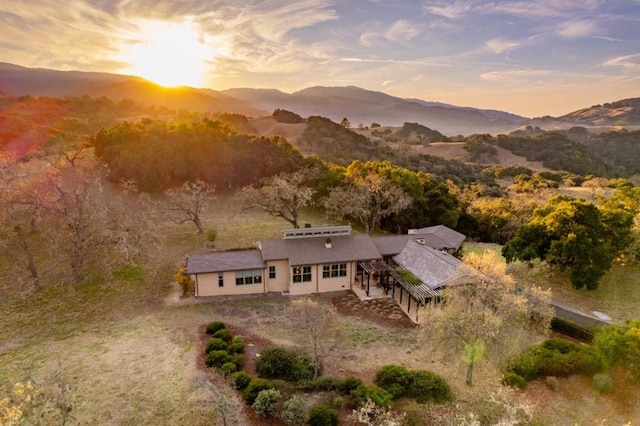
column 129, row 358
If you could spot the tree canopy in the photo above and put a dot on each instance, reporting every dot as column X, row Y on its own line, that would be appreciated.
column 572, row 234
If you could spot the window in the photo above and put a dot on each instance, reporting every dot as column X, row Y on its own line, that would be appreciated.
column 252, row 276
column 272, row 272
column 220, row 279
column 301, row 274
column 334, row 270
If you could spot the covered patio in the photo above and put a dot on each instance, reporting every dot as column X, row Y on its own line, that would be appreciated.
column 380, row 275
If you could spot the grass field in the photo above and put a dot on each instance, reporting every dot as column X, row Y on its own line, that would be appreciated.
column 117, row 352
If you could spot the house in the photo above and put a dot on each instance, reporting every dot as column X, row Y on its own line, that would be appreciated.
column 326, row 259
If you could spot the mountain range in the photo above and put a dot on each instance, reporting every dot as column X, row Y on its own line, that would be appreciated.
column 358, row 105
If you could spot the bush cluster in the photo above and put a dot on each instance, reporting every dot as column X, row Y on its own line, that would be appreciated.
column 420, row 385
column 224, row 352
column 323, row 415
column 554, row 357
column 285, row 364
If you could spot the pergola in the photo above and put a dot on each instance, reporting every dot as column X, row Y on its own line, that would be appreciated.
column 390, row 279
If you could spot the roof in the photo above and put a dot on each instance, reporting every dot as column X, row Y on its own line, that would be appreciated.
column 452, row 238
column 306, row 251
column 434, row 268
column 391, row 245
column 224, row 261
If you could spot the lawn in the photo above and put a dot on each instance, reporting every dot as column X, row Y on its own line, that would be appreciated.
column 128, row 350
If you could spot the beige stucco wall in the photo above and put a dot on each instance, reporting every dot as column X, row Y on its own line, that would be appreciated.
column 283, row 276
column 407, row 304
column 207, row 285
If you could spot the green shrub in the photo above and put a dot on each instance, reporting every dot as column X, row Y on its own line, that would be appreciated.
column 217, row 359
column 215, row 326
column 223, row 334
column 349, row 384
column 266, row 403
column 254, row 388
column 238, row 360
column 294, row 412
column 241, row 379
column 237, row 345
column 284, row 364
column 321, row 384
column 228, row 368
column 514, row 380
column 337, row 401
column 211, row 235
column 323, row 415
column 427, row 386
column 560, row 345
column 603, row 383
column 215, row 344
column 395, row 379
column 359, row 396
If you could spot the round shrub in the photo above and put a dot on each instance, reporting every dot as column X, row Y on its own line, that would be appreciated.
column 215, row 326
column 427, row 386
column 337, row 401
column 560, row 345
column 254, row 388
column 359, row 396
column 284, row 364
column 349, row 384
column 395, row 379
column 223, row 334
column 294, row 412
column 323, row 415
column 603, row 383
column 238, row 360
column 237, row 345
column 266, row 403
column 215, row 344
column 228, row 368
column 321, row 384
column 241, row 379
column 514, row 380
column 217, row 359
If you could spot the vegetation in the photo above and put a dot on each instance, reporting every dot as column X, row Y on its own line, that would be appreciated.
column 421, row 385
column 572, row 234
column 285, row 364
column 323, row 415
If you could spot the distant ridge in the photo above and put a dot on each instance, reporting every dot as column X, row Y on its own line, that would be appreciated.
column 359, row 106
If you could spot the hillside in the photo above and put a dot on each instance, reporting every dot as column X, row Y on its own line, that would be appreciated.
column 625, row 112
column 20, row 81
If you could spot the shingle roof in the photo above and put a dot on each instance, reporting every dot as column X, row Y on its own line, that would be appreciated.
column 452, row 238
column 224, row 261
column 305, row 251
column 433, row 267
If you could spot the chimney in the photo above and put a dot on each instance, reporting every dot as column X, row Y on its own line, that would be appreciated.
column 327, row 243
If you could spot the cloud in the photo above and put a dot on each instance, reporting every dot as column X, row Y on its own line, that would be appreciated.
column 516, row 75
column 402, row 30
column 531, row 9
column 578, row 28
column 627, row 62
column 499, row 45
column 455, row 10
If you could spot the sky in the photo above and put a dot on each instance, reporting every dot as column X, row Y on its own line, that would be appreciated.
column 529, row 57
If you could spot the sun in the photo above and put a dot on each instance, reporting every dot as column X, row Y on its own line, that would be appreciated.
column 168, row 53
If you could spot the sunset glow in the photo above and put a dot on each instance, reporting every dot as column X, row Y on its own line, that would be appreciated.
column 170, row 54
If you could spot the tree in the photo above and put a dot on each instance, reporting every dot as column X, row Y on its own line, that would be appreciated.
column 283, row 195
column 186, row 204
column 368, row 200
column 345, row 123
column 320, row 327
column 489, row 315
column 572, row 234
column 619, row 345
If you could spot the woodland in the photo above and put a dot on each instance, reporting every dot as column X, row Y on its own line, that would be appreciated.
column 101, row 200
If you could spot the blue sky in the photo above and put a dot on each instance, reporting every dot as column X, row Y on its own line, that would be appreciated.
column 538, row 57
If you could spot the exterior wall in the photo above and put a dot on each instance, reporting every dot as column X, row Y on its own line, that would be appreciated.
column 207, row 285
column 408, row 305
column 283, row 276
column 323, row 285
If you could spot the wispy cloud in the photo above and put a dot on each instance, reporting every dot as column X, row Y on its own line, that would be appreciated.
column 627, row 62
column 516, row 75
column 531, row 9
column 578, row 28
column 499, row 45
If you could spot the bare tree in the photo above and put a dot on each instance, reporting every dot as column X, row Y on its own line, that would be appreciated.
column 283, row 195
column 321, row 329
column 186, row 204
column 368, row 200
column 489, row 315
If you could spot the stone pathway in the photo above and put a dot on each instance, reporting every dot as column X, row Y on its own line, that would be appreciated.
column 382, row 310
